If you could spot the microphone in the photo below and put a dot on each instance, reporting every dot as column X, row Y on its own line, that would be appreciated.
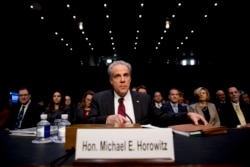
column 120, row 100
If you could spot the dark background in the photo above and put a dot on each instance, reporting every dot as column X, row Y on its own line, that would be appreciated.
column 31, row 55
column 155, row 78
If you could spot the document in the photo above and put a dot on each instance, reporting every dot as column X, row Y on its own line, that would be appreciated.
column 198, row 130
column 149, row 126
column 24, row 132
column 31, row 131
column 195, row 133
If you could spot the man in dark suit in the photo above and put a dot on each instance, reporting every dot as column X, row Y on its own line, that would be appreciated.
column 31, row 113
column 220, row 101
column 229, row 115
column 172, row 107
column 138, row 108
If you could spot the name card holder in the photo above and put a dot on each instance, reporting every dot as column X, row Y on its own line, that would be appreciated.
column 126, row 146
column 71, row 131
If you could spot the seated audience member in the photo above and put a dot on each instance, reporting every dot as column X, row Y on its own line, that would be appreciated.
column 158, row 100
column 220, row 100
column 204, row 107
column 220, row 96
column 56, row 107
column 134, row 88
column 26, row 113
column 41, row 102
column 245, row 97
column 142, row 89
column 82, row 111
column 231, row 116
column 173, row 106
column 135, row 107
column 4, row 109
column 70, row 106
column 68, row 100
column 182, row 100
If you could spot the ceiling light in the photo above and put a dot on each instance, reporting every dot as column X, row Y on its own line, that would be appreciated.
column 167, row 23
column 80, row 25
column 36, row 6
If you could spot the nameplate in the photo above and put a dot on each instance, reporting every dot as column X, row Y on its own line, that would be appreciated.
column 125, row 144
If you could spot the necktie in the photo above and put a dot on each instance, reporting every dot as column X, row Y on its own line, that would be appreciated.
column 240, row 115
column 175, row 108
column 19, row 118
column 121, row 107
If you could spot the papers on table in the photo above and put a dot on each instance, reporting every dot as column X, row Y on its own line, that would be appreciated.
column 198, row 130
column 31, row 131
column 24, row 132
column 149, row 126
column 196, row 133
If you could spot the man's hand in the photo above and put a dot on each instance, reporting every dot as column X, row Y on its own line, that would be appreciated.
column 117, row 119
column 196, row 118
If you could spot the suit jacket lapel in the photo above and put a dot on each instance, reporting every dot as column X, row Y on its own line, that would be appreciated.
column 170, row 108
column 210, row 109
column 136, row 105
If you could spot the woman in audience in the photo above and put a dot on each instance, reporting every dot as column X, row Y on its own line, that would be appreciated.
column 203, row 107
column 56, row 107
column 70, row 106
column 82, row 111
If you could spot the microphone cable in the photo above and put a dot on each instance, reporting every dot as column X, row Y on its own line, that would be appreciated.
column 129, row 118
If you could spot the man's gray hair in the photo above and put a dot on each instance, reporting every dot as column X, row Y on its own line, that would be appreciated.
column 118, row 62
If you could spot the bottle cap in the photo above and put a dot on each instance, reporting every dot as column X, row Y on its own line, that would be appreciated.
column 64, row 116
column 43, row 116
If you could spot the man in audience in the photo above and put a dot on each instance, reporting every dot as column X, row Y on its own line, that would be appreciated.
column 158, row 100
column 26, row 113
column 137, row 105
column 142, row 89
column 220, row 101
column 220, row 96
column 172, row 107
column 231, row 116
column 245, row 97
column 173, row 104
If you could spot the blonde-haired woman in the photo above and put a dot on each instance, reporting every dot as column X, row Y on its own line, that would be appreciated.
column 205, row 108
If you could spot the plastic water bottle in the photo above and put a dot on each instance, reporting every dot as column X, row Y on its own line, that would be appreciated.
column 65, row 118
column 62, row 128
column 43, row 130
